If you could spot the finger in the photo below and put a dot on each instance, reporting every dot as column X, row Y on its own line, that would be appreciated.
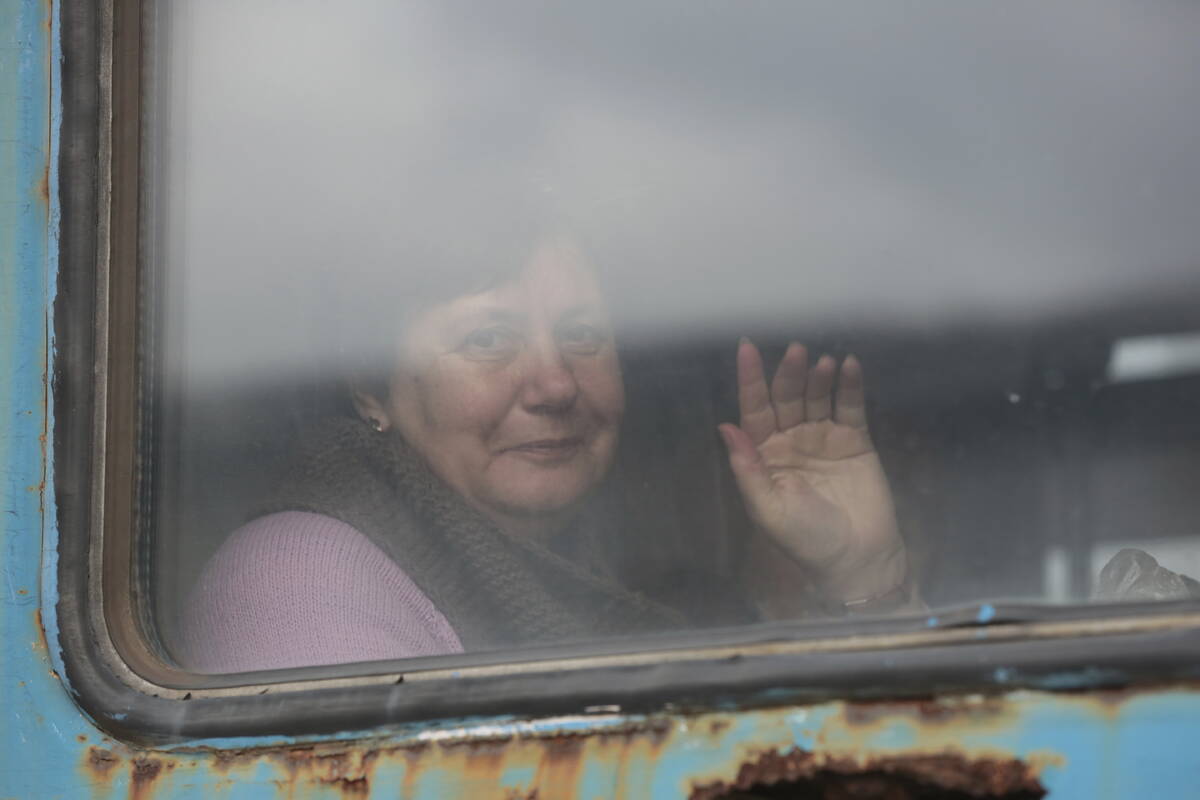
column 749, row 470
column 851, row 408
column 818, row 393
column 754, row 402
column 787, row 387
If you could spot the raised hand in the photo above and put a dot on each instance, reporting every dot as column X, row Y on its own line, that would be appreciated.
column 809, row 475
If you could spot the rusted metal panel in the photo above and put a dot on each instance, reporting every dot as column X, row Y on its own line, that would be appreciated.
column 1028, row 744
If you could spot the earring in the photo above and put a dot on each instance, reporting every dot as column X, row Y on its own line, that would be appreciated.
column 375, row 424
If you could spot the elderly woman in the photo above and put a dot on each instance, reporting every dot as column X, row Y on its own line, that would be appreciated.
column 454, row 515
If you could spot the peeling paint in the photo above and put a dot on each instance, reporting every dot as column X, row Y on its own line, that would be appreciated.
column 895, row 777
column 1016, row 746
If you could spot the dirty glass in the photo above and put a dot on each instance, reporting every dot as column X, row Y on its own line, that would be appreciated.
column 451, row 298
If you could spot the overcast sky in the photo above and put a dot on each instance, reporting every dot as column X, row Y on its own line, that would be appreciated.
column 903, row 163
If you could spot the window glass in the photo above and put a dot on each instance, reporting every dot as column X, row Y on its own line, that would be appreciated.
column 455, row 297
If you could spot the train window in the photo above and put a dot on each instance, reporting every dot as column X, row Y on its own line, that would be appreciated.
column 485, row 327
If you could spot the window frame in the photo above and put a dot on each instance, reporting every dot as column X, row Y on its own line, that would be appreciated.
column 118, row 678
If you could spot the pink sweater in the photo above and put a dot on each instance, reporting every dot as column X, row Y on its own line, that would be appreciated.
column 298, row 589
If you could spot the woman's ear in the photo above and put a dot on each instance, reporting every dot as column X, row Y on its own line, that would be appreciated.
column 370, row 409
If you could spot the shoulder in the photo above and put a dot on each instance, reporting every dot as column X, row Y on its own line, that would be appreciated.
column 300, row 552
column 281, row 545
column 297, row 588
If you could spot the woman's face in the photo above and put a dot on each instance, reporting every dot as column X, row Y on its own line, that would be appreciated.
column 514, row 395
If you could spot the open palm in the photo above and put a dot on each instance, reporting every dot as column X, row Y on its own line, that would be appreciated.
column 809, row 474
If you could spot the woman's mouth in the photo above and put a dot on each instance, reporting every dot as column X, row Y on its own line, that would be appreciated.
column 548, row 449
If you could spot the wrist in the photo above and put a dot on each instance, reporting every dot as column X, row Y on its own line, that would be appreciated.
column 866, row 583
column 903, row 597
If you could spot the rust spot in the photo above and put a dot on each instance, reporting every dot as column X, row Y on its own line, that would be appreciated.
column 938, row 711
column 43, row 185
column 482, row 765
column 561, row 762
column 40, row 642
column 142, row 775
column 146, row 769
column 353, row 787
column 353, row 775
column 346, row 769
column 100, row 762
column 81, row 738
column 22, row 591
column 945, row 776
column 1109, row 702
column 653, row 731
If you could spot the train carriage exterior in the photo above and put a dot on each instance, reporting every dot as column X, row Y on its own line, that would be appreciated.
column 978, row 700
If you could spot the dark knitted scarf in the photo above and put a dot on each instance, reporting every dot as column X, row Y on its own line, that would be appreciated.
column 495, row 590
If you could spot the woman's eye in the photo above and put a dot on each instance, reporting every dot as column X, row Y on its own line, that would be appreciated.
column 489, row 342
column 582, row 338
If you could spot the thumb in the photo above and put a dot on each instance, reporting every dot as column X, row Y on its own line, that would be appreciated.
column 749, row 470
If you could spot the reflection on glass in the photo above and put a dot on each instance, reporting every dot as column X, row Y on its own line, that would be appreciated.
column 1149, row 357
column 494, row 326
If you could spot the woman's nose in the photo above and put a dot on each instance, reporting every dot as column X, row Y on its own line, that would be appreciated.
column 550, row 384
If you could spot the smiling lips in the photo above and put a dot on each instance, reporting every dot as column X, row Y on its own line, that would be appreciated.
column 548, row 449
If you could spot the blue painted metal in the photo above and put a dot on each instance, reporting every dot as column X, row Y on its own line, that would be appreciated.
column 1083, row 745
column 41, row 722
